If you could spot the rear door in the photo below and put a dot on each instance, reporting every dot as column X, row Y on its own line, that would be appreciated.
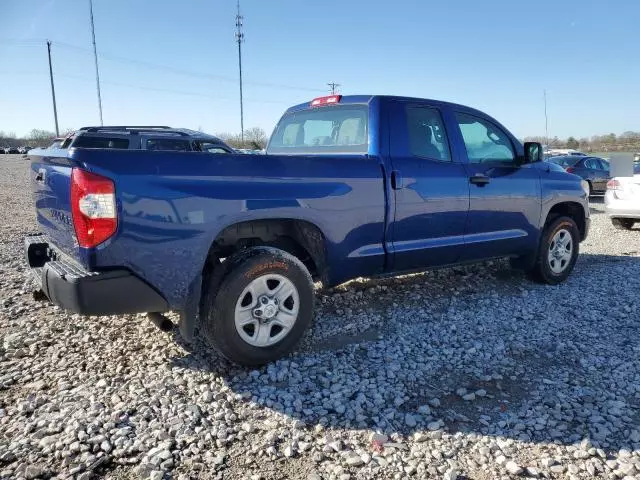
column 429, row 185
column 505, row 198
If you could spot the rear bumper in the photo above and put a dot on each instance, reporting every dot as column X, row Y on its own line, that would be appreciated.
column 75, row 289
column 621, row 208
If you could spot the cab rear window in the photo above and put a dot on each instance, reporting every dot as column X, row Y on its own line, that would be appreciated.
column 331, row 129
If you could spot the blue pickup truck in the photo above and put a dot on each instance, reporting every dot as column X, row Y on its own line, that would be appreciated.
column 350, row 186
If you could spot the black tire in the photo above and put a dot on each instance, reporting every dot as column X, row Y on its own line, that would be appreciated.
column 590, row 189
column 541, row 271
column 623, row 223
column 218, row 310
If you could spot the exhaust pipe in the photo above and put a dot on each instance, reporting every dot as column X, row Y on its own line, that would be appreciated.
column 160, row 321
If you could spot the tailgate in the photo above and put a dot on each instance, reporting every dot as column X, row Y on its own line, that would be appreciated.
column 51, row 183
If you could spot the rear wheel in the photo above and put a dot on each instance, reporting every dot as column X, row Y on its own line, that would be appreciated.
column 623, row 223
column 557, row 252
column 262, row 307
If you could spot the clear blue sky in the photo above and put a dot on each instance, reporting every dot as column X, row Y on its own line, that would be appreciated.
column 496, row 55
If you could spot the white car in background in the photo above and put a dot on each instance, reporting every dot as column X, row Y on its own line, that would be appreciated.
column 622, row 201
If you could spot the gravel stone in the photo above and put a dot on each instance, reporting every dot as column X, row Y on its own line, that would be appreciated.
column 513, row 468
column 467, row 371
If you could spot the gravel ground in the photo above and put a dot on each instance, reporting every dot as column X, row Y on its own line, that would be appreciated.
column 461, row 373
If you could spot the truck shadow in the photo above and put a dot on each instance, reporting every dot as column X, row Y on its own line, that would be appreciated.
column 556, row 366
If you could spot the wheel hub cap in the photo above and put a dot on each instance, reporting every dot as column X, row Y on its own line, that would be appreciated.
column 266, row 310
column 560, row 251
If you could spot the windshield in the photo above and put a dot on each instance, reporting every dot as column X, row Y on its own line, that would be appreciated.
column 334, row 129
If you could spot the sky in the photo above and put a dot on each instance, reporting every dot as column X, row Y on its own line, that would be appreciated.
column 168, row 62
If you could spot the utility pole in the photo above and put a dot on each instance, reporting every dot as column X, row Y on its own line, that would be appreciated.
column 240, row 39
column 333, row 86
column 53, row 90
column 95, row 57
column 546, row 120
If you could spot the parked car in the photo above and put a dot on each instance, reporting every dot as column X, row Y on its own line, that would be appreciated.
column 622, row 201
column 636, row 158
column 145, row 138
column 11, row 150
column 57, row 142
column 594, row 170
column 249, row 151
column 353, row 186
column 556, row 152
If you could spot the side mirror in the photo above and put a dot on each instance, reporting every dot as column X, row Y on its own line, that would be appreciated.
column 533, row 152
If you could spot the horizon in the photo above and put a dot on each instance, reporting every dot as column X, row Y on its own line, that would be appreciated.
column 189, row 78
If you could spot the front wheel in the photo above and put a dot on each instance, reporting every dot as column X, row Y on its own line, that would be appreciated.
column 623, row 223
column 557, row 252
column 262, row 306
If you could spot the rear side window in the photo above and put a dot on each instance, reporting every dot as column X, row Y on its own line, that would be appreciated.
column 332, row 129
column 484, row 141
column 427, row 137
column 85, row 141
column 170, row 144
column 591, row 163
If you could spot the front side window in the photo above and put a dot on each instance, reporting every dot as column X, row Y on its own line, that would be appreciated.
column 331, row 129
column 427, row 136
column 485, row 142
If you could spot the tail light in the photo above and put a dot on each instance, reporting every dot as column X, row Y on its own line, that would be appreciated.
column 93, row 207
column 570, row 169
column 330, row 100
column 614, row 184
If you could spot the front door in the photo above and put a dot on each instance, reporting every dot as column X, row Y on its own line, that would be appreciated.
column 504, row 197
column 430, row 188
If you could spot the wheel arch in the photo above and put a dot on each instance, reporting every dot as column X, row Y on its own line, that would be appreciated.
column 571, row 209
column 300, row 238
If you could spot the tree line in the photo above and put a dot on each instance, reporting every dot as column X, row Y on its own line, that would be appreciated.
column 254, row 138
column 625, row 142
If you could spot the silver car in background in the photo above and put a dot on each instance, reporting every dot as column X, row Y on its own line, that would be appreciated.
column 622, row 201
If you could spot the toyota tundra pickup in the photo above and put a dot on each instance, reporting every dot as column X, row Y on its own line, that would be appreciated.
column 350, row 186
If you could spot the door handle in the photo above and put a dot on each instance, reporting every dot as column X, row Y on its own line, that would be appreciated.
column 396, row 180
column 479, row 179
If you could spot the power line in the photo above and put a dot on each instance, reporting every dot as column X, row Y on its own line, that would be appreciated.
column 151, row 89
column 188, row 73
